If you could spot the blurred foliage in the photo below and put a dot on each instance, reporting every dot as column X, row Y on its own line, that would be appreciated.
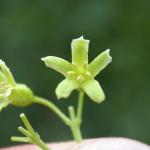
column 30, row 30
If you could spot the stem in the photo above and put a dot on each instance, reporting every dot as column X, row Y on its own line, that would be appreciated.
column 42, row 145
column 74, row 121
column 31, row 136
column 20, row 139
column 72, row 112
column 80, row 105
column 35, row 138
column 53, row 107
column 74, row 126
column 38, row 142
column 26, row 123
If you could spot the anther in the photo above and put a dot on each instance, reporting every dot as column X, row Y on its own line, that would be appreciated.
column 71, row 74
column 80, row 78
column 88, row 74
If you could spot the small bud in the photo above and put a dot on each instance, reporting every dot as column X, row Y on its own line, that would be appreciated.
column 11, row 92
column 21, row 96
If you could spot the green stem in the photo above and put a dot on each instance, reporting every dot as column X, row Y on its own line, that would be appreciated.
column 42, row 145
column 74, row 125
column 31, row 136
column 38, row 142
column 35, row 138
column 53, row 107
column 80, row 105
column 76, row 120
column 75, row 129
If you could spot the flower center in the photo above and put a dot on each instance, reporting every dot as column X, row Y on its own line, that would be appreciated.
column 4, row 89
column 80, row 73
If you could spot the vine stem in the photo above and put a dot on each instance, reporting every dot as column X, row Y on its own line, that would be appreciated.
column 77, row 119
column 74, row 121
column 53, row 107
column 80, row 105
column 30, row 135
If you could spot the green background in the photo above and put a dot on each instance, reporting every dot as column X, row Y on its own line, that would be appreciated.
column 30, row 30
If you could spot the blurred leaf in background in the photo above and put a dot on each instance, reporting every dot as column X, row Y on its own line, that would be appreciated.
column 30, row 30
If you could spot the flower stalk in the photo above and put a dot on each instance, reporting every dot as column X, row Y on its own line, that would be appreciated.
column 77, row 118
column 73, row 121
column 30, row 135
column 52, row 107
column 74, row 126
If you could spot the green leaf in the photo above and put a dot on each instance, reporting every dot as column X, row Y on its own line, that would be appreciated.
column 93, row 89
column 58, row 64
column 80, row 51
column 99, row 63
column 65, row 88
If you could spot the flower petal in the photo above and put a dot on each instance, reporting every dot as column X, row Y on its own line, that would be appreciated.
column 7, row 73
column 80, row 51
column 99, row 63
column 2, row 77
column 65, row 88
column 4, row 104
column 60, row 65
column 93, row 89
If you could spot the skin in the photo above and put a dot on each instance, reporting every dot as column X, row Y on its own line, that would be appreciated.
column 92, row 144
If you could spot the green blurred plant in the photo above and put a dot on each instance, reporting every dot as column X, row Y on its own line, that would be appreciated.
column 30, row 135
column 79, row 75
column 10, row 91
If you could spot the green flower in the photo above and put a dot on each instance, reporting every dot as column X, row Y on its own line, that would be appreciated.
column 12, row 92
column 80, row 73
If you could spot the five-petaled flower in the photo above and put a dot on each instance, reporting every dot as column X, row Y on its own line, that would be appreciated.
column 12, row 92
column 80, row 74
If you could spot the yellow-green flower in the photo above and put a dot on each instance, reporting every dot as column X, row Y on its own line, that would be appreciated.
column 12, row 92
column 80, row 73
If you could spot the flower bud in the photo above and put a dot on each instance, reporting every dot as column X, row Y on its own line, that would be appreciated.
column 21, row 95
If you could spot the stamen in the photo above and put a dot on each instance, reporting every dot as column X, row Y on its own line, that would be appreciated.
column 88, row 74
column 71, row 74
column 4, row 87
column 80, row 78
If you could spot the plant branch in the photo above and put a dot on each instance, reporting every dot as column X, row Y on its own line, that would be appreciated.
column 30, row 135
column 80, row 105
column 53, row 107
